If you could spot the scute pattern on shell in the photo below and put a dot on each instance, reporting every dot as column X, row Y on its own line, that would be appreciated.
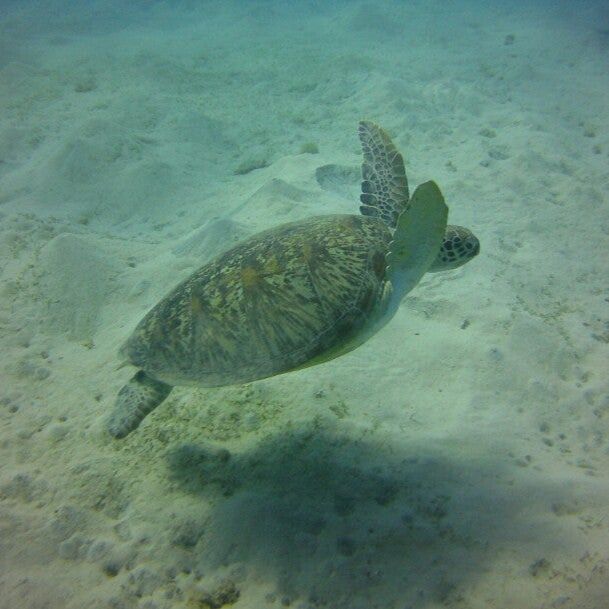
column 268, row 305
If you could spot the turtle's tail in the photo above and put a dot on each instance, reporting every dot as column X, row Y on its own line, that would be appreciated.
column 140, row 396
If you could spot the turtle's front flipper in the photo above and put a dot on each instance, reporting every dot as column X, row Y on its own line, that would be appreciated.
column 417, row 238
column 384, row 184
column 140, row 396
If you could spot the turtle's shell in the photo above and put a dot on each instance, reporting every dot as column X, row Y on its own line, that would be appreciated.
column 271, row 304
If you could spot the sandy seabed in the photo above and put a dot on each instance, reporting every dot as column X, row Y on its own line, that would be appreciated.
column 458, row 459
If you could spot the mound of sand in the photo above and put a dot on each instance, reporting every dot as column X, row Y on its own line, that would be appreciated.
column 75, row 281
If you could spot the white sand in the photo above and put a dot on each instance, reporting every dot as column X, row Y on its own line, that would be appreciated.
column 458, row 459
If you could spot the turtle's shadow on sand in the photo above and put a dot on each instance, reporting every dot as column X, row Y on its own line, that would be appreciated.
column 340, row 522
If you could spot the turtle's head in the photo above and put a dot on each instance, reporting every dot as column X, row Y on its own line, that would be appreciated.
column 460, row 245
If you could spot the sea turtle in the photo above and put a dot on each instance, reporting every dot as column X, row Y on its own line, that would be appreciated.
column 296, row 295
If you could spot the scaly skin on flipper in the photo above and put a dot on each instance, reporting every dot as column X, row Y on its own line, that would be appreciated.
column 384, row 184
column 140, row 396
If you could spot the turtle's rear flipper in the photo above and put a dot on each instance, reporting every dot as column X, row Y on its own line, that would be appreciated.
column 140, row 396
